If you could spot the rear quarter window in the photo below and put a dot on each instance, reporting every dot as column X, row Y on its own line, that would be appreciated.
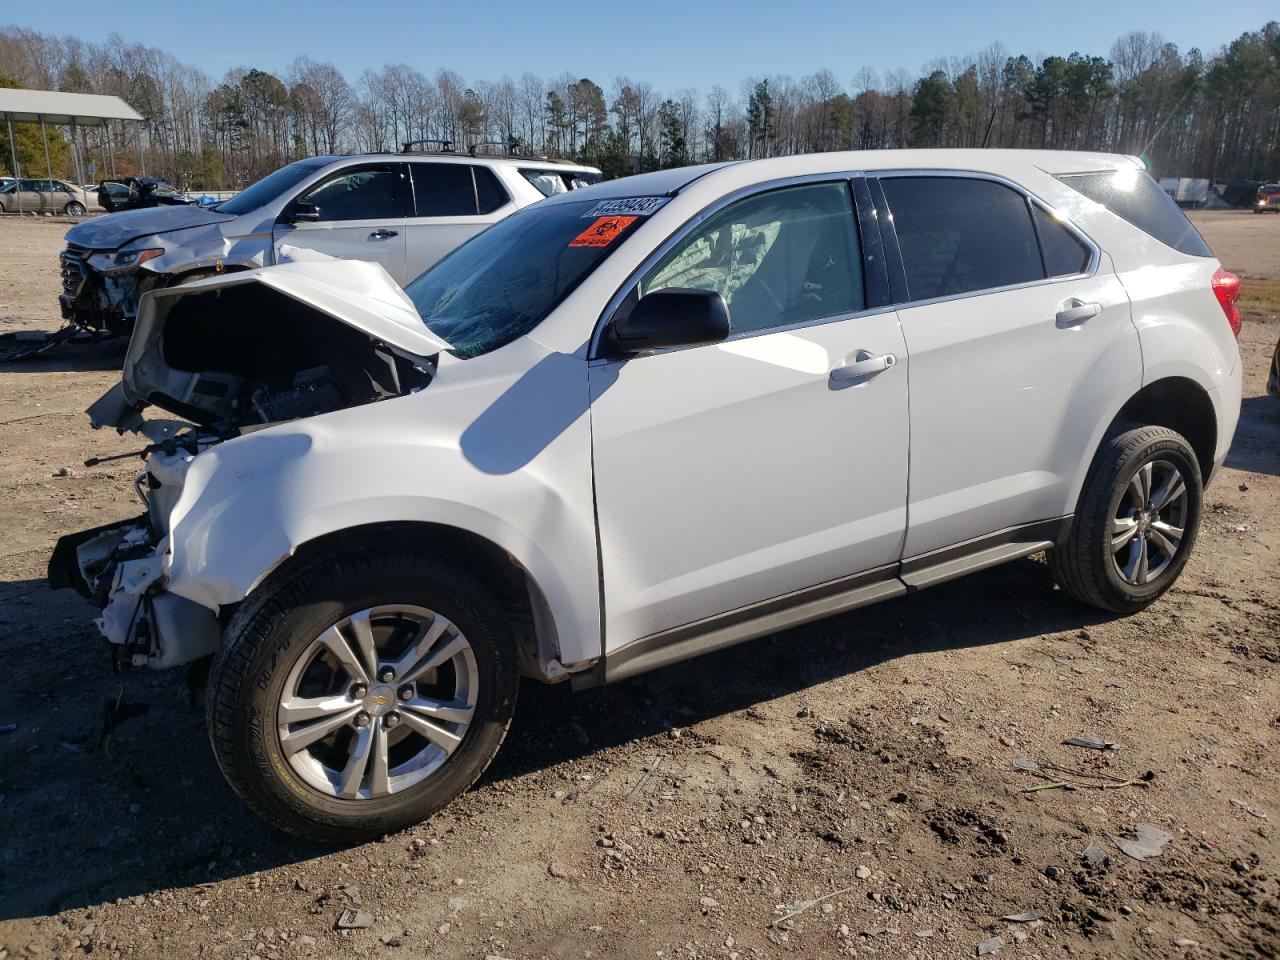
column 1133, row 195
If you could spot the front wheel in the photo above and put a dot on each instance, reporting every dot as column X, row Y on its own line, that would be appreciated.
column 359, row 693
column 1135, row 524
column 75, row 209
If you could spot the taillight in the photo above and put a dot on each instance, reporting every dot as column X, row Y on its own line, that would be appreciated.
column 1226, row 287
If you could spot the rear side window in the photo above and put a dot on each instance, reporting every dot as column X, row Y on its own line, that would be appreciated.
column 1064, row 255
column 443, row 190
column 1132, row 195
column 959, row 234
column 489, row 193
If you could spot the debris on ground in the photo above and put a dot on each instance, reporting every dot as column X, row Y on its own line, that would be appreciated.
column 1029, row 916
column 1089, row 743
column 353, row 918
column 1094, row 854
column 644, row 778
column 990, row 946
column 1149, row 843
column 795, row 909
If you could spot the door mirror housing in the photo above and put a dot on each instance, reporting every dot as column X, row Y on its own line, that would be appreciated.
column 300, row 212
column 669, row 318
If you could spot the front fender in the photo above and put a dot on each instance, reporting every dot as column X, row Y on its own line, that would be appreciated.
column 249, row 504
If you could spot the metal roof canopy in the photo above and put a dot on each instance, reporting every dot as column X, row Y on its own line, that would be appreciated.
column 62, row 109
column 82, row 109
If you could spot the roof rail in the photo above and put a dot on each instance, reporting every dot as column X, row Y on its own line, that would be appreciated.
column 415, row 146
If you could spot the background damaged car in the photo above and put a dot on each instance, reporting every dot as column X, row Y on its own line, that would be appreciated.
column 402, row 211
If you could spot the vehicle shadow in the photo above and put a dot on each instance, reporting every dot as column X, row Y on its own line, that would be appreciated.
column 86, row 820
column 1256, row 446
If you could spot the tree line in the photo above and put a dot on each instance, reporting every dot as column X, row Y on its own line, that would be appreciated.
column 1214, row 116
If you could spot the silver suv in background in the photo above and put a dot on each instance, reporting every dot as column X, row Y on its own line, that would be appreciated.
column 404, row 211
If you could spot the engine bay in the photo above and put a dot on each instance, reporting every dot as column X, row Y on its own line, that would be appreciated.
column 248, row 354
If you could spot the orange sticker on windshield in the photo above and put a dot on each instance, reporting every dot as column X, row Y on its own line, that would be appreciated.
column 601, row 233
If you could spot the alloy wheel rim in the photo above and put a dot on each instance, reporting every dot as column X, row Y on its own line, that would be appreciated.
column 1149, row 524
column 378, row 702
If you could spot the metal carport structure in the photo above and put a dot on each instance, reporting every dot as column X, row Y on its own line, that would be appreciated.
column 62, row 109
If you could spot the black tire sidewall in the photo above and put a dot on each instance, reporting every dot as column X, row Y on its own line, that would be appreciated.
column 1169, row 446
column 272, row 637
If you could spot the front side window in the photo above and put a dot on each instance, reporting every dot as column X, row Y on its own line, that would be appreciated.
column 958, row 235
column 503, row 282
column 365, row 194
column 778, row 258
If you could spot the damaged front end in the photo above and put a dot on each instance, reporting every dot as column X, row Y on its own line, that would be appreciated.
column 103, row 299
column 229, row 355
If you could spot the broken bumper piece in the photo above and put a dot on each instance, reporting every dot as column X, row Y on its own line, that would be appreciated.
column 117, row 568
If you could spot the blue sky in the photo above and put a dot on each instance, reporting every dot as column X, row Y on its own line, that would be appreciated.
column 671, row 44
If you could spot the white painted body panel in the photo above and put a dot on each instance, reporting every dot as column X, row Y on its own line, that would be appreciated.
column 1005, row 403
column 379, row 241
column 727, row 474
column 498, row 445
column 430, row 238
column 733, row 473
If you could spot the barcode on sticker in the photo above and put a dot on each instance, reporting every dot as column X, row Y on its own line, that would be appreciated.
column 627, row 206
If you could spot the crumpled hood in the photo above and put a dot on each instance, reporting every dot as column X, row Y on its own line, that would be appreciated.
column 114, row 230
column 358, row 294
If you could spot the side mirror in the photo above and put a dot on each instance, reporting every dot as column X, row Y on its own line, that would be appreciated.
column 669, row 318
column 300, row 212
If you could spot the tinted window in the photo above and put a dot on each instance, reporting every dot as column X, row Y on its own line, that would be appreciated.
column 1134, row 196
column 443, row 190
column 270, row 187
column 958, row 235
column 489, row 193
column 500, row 284
column 1063, row 253
column 364, row 194
column 777, row 258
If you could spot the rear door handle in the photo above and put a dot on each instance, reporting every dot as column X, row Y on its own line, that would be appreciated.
column 864, row 365
column 382, row 234
column 1076, row 311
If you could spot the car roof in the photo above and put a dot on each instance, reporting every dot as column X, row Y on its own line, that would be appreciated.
column 450, row 156
column 1006, row 163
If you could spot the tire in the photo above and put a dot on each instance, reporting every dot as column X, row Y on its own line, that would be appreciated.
column 265, row 646
column 74, row 209
column 1086, row 567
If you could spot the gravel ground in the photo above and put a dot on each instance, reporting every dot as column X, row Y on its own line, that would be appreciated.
column 859, row 773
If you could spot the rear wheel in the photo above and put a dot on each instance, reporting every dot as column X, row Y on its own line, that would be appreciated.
column 360, row 693
column 1135, row 524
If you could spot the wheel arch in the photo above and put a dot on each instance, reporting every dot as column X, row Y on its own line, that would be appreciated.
column 522, row 599
column 1180, row 404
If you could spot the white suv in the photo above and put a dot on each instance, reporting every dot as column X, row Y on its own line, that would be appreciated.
column 404, row 211
column 634, row 424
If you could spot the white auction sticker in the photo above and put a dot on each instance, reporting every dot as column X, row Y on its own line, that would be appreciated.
column 627, row 206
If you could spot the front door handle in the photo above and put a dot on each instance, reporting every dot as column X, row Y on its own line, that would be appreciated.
column 382, row 234
column 863, row 365
column 1076, row 311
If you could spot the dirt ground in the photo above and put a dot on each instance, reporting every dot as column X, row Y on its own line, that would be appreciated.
column 867, row 761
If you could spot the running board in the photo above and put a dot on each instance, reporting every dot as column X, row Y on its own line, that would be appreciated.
column 821, row 601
